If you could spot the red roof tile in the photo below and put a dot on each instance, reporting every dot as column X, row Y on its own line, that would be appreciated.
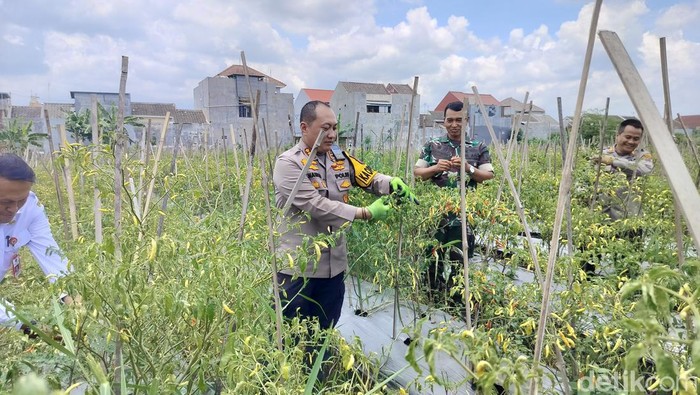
column 451, row 96
column 323, row 95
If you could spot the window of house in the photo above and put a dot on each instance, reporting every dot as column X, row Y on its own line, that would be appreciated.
column 388, row 109
column 372, row 108
column 245, row 110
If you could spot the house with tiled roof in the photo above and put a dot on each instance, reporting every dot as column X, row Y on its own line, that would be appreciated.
column 227, row 102
column 306, row 95
column 691, row 123
column 533, row 119
column 378, row 109
column 191, row 124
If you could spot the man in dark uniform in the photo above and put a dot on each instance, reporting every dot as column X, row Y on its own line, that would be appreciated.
column 440, row 163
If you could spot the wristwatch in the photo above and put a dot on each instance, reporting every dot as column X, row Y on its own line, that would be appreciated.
column 472, row 169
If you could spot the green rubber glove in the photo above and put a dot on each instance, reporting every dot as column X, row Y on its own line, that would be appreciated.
column 380, row 208
column 402, row 190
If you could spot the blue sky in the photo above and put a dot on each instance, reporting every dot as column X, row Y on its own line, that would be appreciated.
column 505, row 48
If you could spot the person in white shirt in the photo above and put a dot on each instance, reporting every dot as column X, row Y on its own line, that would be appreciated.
column 23, row 222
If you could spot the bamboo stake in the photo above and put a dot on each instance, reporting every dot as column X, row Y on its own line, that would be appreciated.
column 516, row 197
column 97, row 208
column 669, row 156
column 67, row 173
column 235, row 161
column 206, row 154
column 267, row 145
column 397, row 146
column 600, row 153
column 254, row 135
column 249, row 176
column 668, row 114
column 513, row 136
column 354, row 136
column 56, row 182
column 118, row 183
column 172, row 173
column 273, row 253
column 394, row 331
column 143, row 158
column 564, row 191
column 463, row 212
column 225, row 146
column 692, row 147
column 159, row 150
column 523, row 151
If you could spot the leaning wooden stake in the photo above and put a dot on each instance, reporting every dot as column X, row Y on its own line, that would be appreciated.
column 515, row 126
column 564, row 191
column 394, row 329
column 669, row 156
column 668, row 114
column 118, row 184
column 516, row 197
column 354, row 133
column 235, row 161
column 67, row 172
column 692, row 147
column 56, row 182
column 97, row 208
column 463, row 212
column 273, row 252
column 600, row 153
column 161, row 141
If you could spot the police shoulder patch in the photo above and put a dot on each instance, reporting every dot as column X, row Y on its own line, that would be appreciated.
column 363, row 173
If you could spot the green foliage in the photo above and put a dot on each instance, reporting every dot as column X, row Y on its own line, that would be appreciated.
column 18, row 137
column 591, row 122
column 191, row 309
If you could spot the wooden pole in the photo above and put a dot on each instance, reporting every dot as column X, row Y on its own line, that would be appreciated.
column 394, row 327
column 692, row 147
column 516, row 197
column 564, row 191
column 354, row 136
column 679, row 177
column 668, row 114
column 56, row 182
column 600, row 153
column 235, row 161
column 463, row 212
column 156, row 160
column 97, row 208
column 118, row 184
column 254, row 136
column 173, row 173
column 67, row 173
column 511, row 141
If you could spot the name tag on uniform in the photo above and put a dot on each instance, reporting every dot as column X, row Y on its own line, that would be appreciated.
column 16, row 265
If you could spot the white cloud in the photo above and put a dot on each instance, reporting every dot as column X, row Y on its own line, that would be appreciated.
column 315, row 43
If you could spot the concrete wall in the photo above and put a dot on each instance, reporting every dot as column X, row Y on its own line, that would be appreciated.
column 375, row 126
column 220, row 97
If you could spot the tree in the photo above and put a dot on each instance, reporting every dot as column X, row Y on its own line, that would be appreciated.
column 17, row 137
column 591, row 121
column 78, row 125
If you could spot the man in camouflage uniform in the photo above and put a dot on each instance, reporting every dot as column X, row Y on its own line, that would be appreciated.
column 626, row 158
column 315, row 288
column 440, row 163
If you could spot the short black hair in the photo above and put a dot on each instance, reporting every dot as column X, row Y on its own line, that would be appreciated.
column 634, row 122
column 454, row 106
column 308, row 112
column 14, row 168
